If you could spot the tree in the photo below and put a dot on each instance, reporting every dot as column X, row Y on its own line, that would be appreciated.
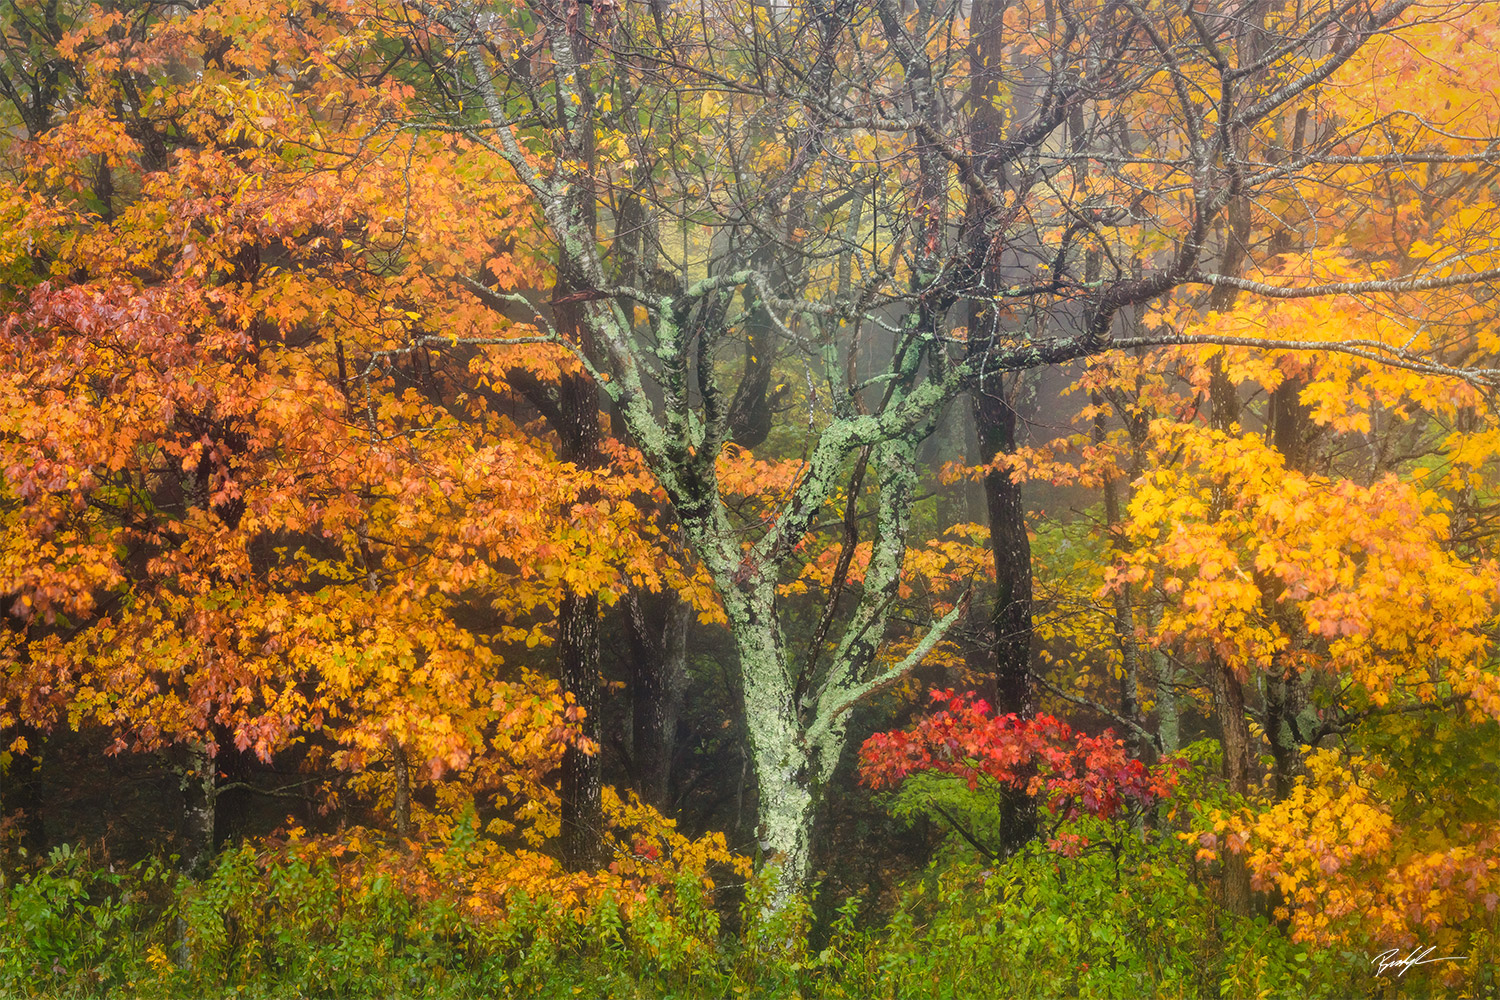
column 1073, row 773
column 1336, row 442
column 249, row 498
column 766, row 156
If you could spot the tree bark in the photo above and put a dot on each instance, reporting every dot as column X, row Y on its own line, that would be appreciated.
column 401, row 795
column 576, row 420
column 784, row 769
column 578, row 652
column 995, row 421
column 199, row 792
column 1229, row 706
column 1168, row 720
column 1011, row 547
column 582, row 783
column 1224, row 413
column 572, row 410
column 995, row 418
column 658, row 626
column 1124, row 614
column 1290, row 429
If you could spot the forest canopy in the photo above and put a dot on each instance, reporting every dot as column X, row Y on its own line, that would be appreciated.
column 792, row 498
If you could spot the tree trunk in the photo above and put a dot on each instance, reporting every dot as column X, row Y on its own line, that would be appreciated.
column 199, row 792
column 1168, row 721
column 994, row 412
column 1283, row 704
column 1290, row 428
column 578, row 651
column 199, row 782
column 1229, row 705
column 753, row 404
column 787, row 815
column 1124, row 616
column 401, row 795
column 995, row 416
column 787, row 781
column 658, row 625
column 571, row 409
column 582, row 783
column 995, row 421
column 576, row 420
column 577, row 425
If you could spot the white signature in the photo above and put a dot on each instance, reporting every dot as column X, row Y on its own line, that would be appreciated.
column 1392, row 960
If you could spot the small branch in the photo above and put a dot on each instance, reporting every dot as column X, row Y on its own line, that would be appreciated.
column 499, row 300
column 245, row 786
column 1390, row 286
column 1130, row 724
column 1340, row 725
column 964, row 833
column 1480, row 378
column 855, row 693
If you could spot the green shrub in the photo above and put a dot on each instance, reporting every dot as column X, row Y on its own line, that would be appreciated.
column 70, row 928
column 1127, row 918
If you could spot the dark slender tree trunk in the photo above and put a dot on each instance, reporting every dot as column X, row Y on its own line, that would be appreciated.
column 996, row 422
column 994, row 412
column 576, row 420
column 578, row 639
column 571, row 408
column 401, row 793
column 753, row 404
column 582, row 837
column 1124, row 617
column 1290, row 428
column 995, row 415
column 1229, row 706
column 658, row 627
column 1224, row 408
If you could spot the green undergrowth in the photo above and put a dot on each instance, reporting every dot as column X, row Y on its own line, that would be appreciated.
column 262, row 926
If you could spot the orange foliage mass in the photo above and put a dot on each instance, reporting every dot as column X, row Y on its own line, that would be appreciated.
column 259, row 482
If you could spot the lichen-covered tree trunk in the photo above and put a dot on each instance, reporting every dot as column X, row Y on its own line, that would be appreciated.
column 787, row 790
column 796, row 735
column 199, row 777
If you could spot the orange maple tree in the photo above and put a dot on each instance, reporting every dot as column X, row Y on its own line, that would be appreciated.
column 262, row 484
